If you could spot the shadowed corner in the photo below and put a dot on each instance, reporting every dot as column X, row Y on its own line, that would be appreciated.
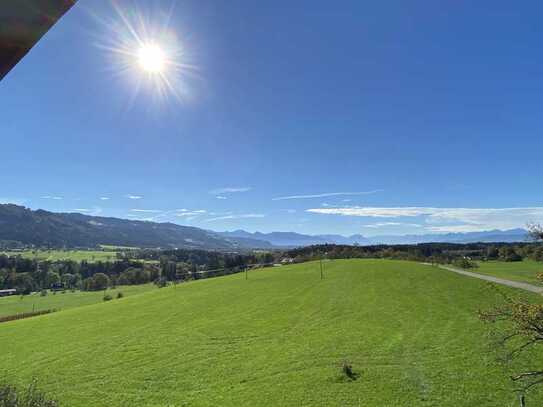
column 22, row 24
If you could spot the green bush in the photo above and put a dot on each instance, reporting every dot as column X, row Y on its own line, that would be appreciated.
column 465, row 263
column 348, row 372
column 108, row 297
column 11, row 396
column 161, row 282
column 43, row 293
column 120, row 294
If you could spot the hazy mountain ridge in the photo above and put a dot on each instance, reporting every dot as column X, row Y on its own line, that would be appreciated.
column 43, row 228
column 291, row 239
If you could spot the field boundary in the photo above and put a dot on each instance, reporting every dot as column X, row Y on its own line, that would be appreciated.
column 23, row 315
column 515, row 284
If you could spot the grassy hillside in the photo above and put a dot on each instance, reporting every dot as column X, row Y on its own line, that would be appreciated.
column 279, row 338
column 17, row 304
column 525, row 271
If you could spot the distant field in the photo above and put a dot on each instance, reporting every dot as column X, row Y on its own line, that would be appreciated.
column 114, row 248
column 75, row 255
column 16, row 304
column 525, row 271
column 279, row 338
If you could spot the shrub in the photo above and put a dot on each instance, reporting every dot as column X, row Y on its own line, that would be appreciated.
column 348, row 372
column 161, row 282
column 120, row 294
column 43, row 293
column 465, row 263
column 107, row 297
column 11, row 396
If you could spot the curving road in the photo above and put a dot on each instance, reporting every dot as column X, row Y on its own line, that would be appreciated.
column 514, row 284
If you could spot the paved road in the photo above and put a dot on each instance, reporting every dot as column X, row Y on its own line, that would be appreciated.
column 514, row 284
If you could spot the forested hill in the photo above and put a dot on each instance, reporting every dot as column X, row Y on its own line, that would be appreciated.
column 43, row 228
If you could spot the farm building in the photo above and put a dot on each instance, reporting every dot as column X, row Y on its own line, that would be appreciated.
column 5, row 293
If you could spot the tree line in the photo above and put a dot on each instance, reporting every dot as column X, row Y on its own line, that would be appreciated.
column 438, row 253
column 133, row 267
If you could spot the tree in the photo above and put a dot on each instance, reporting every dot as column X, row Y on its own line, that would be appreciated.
column 100, row 281
column 52, row 279
column 519, row 327
column 535, row 231
column 68, row 280
column 24, row 283
column 507, row 253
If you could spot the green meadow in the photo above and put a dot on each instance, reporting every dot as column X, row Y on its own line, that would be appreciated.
column 525, row 271
column 16, row 304
column 75, row 255
column 410, row 331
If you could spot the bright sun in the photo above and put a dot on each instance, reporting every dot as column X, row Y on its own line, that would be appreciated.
column 151, row 58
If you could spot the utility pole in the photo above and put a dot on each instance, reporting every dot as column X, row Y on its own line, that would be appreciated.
column 322, row 275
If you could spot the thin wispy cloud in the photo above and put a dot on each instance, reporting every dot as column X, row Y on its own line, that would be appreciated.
column 221, row 197
column 327, row 194
column 242, row 216
column 134, row 196
column 55, row 198
column 390, row 224
column 185, row 213
column 146, row 210
column 447, row 219
column 139, row 218
column 104, row 198
column 88, row 211
column 15, row 201
column 229, row 190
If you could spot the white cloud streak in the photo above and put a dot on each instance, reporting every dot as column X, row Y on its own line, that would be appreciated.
column 146, row 210
column 229, row 190
column 185, row 213
column 326, row 194
column 56, row 198
column 389, row 224
column 447, row 219
column 242, row 216
column 134, row 196
column 88, row 211
column 14, row 201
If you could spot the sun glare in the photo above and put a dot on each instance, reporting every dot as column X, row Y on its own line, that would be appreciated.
column 151, row 58
column 145, row 48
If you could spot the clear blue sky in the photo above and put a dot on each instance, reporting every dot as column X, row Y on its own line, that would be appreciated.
column 430, row 105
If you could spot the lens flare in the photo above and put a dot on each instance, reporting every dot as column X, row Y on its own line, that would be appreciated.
column 146, row 52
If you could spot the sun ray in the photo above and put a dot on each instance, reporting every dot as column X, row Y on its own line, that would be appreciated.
column 143, row 48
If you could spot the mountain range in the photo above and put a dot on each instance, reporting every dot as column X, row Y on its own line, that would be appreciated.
column 291, row 239
column 23, row 226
